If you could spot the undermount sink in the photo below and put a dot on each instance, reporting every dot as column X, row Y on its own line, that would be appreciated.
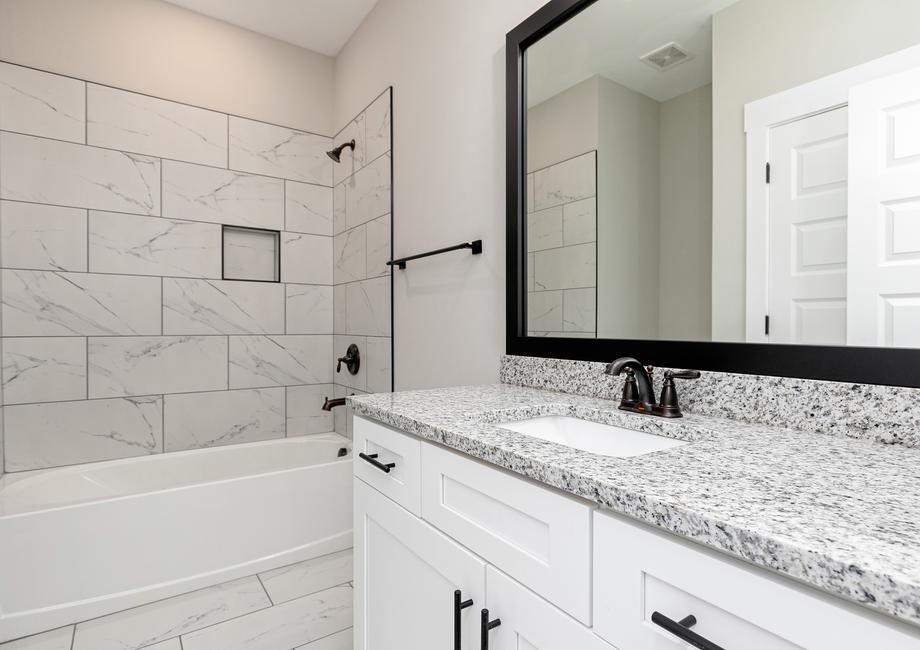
column 602, row 439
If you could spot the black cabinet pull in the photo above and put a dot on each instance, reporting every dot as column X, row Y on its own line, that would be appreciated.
column 459, row 605
column 485, row 627
column 372, row 459
column 681, row 629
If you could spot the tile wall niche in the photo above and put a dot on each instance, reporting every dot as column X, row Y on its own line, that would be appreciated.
column 119, row 336
column 562, row 249
column 362, row 207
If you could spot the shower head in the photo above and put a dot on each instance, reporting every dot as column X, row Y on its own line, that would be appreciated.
column 336, row 154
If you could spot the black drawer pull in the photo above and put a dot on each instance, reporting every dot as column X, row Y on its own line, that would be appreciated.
column 485, row 626
column 459, row 605
column 681, row 629
column 372, row 459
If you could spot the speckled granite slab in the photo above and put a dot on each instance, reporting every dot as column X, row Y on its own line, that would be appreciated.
column 887, row 414
column 838, row 513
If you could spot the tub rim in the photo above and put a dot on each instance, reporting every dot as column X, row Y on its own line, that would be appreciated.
column 42, row 475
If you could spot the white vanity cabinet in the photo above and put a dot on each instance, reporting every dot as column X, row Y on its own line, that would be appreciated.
column 529, row 622
column 406, row 574
column 551, row 572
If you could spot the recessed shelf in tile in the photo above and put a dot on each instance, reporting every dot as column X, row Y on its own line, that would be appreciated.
column 251, row 254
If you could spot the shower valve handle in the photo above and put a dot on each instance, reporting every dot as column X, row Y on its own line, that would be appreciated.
column 352, row 360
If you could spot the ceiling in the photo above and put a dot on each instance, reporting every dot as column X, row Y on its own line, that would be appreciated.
column 609, row 38
column 323, row 26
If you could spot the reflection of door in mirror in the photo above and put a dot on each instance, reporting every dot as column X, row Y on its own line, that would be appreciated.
column 833, row 241
column 807, row 276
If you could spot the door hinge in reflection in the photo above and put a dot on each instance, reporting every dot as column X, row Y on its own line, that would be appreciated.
column 766, row 324
column 768, row 172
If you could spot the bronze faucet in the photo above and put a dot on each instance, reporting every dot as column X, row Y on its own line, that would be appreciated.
column 638, row 392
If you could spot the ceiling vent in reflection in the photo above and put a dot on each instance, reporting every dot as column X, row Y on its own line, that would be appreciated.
column 667, row 57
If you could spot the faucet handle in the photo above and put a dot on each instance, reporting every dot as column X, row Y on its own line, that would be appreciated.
column 669, row 404
column 682, row 374
column 630, row 387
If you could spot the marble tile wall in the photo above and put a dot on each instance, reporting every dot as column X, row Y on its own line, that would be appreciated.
column 119, row 336
column 362, row 245
column 562, row 249
column 305, row 606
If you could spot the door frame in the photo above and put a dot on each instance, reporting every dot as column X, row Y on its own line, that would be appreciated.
column 760, row 117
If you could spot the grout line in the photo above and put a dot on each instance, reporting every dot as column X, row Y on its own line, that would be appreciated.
column 241, row 172
column 228, row 363
column 354, row 172
column 163, row 424
column 560, row 162
column 267, row 595
column 364, row 110
column 163, row 218
column 73, row 635
column 187, row 392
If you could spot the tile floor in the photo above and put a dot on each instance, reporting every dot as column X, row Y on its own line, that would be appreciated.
column 304, row 606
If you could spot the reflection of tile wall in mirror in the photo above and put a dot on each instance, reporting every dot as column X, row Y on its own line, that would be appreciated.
column 562, row 249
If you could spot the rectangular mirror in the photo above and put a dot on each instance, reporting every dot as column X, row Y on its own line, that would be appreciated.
column 717, row 171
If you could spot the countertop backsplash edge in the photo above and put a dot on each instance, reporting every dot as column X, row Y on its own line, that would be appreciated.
column 885, row 414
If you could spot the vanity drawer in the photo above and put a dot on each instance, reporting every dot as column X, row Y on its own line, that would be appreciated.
column 639, row 571
column 537, row 536
column 401, row 482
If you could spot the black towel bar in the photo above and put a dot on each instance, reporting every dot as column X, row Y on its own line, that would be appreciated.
column 476, row 247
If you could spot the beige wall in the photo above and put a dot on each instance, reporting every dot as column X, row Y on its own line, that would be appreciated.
column 654, row 201
column 563, row 126
column 157, row 48
column 627, row 207
column 445, row 60
column 761, row 47
column 685, row 217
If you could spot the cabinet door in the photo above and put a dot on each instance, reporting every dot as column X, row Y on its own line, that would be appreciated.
column 530, row 623
column 406, row 573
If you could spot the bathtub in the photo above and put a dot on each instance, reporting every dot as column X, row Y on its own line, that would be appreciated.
column 88, row 540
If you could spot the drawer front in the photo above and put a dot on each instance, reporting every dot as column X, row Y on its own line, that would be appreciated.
column 529, row 622
column 539, row 537
column 639, row 571
column 388, row 447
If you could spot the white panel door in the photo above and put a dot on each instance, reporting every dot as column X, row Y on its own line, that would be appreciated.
column 884, row 252
column 406, row 573
column 807, row 291
column 527, row 622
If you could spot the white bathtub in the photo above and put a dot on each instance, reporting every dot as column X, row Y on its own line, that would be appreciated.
column 83, row 541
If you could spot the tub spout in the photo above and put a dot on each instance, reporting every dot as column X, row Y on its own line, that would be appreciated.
column 332, row 403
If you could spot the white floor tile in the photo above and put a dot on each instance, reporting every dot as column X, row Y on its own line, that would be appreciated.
column 59, row 639
column 304, row 578
column 343, row 640
column 291, row 624
column 150, row 624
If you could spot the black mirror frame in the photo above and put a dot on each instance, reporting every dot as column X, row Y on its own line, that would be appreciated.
column 887, row 366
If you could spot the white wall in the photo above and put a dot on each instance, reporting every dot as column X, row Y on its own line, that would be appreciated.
column 153, row 47
column 685, row 218
column 759, row 48
column 445, row 60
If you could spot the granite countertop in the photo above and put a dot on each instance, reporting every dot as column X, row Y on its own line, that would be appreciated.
column 836, row 513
